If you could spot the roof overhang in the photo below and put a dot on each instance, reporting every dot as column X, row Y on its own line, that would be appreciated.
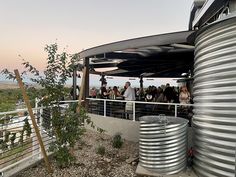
column 165, row 55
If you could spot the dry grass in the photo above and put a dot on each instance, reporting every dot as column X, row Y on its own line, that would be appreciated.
column 4, row 86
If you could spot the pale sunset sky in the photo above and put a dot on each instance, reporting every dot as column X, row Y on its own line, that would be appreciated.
column 26, row 26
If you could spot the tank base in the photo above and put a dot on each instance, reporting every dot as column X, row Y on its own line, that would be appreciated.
column 143, row 171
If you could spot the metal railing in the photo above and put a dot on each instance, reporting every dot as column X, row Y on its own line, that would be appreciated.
column 133, row 110
column 19, row 147
column 19, row 144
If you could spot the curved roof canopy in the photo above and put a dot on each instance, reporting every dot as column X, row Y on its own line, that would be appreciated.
column 165, row 55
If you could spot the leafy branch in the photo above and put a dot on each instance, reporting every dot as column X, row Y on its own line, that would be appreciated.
column 66, row 125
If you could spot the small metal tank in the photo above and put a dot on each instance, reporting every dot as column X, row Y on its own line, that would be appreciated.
column 163, row 144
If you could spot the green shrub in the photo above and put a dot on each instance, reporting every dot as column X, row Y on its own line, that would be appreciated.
column 67, row 125
column 63, row 157
column 117, row 141
column 101, row 150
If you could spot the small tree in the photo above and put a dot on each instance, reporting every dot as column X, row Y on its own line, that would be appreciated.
column 66, row 126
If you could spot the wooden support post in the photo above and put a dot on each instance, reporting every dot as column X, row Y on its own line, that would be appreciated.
column 74, row 83
column 26, row 100
column 82, row 88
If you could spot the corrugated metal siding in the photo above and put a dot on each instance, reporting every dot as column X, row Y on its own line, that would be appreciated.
column 215, row 100
column 163, row 146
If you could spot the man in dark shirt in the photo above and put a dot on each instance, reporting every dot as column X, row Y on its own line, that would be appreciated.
column 104, row 93
column 168, row 93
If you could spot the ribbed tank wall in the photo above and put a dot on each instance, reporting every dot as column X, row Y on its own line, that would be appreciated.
column 214, row 91
column 163, row 147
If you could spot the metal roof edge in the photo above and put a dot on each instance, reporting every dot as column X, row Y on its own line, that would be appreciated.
column 154, row 40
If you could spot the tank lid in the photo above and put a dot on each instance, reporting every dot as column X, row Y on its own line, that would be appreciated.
column 168, row 120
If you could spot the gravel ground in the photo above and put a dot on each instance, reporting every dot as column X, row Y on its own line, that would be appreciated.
column 115, row 162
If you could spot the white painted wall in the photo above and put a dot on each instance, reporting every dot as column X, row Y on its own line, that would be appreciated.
column 129, row 129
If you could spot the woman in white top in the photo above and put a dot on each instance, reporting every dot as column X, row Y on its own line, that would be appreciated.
column 184, row 95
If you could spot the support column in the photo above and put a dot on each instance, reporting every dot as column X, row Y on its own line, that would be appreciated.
column 87, row 78
column 74, row 83
column 141, row 87
column 103, row 80
column 86, row 91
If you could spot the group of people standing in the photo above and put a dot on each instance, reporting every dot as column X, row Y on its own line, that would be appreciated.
column 168, row 94
column 128, row 92
column 165, row 94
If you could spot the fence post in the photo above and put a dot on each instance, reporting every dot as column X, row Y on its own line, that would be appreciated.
column 2, row 126
column 175, row 110
column 105, row 108
column 40, row 128
column 133, row 110
column 35, row 145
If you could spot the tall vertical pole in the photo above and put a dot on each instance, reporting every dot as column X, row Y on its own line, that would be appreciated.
column 82, row 88
column 36, row 129
column 141, row 87
column 105, row 108
column 103, row 79
column 134, row 111
column 86, row 63
column 176, row 111
column 74, row 83
column 86, row 93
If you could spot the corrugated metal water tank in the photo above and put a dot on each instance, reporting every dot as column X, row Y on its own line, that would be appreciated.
column 214, row 91
column 163, row 144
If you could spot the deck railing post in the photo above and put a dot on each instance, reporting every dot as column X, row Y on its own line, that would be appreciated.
column 105, row 108
column 175, row 110
column 40, row 128
column 133, row 110
column 35, row 144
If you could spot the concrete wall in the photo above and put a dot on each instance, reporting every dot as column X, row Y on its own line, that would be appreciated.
column 129, row 129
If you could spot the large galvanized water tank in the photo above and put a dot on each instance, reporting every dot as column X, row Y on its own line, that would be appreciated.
column 215, row 100
column 163, row 144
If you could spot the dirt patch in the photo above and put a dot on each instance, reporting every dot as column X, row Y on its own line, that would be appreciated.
column 90, row 164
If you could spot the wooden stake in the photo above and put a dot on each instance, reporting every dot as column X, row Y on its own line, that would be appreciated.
column 26, row 99
column 82, row 87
